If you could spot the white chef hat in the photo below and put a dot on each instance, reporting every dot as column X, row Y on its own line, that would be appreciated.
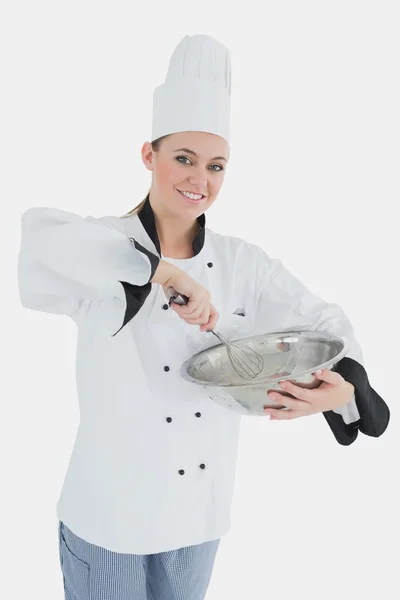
column 196, row 95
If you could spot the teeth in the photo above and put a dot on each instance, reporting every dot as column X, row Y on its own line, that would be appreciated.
column 192, row 196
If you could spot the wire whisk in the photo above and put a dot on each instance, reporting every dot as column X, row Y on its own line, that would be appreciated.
column 246, row 362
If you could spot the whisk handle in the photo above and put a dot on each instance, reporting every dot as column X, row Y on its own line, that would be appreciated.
column 176, row 297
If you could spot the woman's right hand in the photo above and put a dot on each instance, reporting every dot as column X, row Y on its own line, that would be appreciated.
column 199, row 310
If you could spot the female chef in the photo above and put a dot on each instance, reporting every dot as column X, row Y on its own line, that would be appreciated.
column 148, row 490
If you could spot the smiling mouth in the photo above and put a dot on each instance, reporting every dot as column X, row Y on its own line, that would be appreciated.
column 182, row 192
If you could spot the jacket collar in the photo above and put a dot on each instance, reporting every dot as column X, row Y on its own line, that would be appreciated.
column 146, row 216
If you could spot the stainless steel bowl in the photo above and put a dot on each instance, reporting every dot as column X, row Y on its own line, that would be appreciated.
column 291, row 355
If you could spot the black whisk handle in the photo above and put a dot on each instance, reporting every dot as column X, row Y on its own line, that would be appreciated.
column 176, row 297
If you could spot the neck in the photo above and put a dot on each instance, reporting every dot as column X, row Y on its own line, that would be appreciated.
column 176, row 235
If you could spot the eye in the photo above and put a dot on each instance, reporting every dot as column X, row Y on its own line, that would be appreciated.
column 184, row 158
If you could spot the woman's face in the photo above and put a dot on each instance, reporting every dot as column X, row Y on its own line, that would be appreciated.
column 191, row 161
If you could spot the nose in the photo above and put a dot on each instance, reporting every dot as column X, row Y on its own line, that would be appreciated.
column 198, row 178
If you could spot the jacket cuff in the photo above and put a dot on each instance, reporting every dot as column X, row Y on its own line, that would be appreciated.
column 374, row 412
column 154, row 260
column 344, row 434
column 135, row 295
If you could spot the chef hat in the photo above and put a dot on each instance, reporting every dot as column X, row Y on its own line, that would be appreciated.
column 197, row 90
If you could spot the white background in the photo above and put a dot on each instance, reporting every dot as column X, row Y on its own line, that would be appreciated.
column 313, row 179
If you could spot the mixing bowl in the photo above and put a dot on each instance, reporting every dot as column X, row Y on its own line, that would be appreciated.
column 289, row 355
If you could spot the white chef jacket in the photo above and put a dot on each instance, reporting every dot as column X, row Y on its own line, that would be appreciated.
column 153, row 464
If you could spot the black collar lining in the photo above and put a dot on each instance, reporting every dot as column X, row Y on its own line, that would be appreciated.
column 146, row 216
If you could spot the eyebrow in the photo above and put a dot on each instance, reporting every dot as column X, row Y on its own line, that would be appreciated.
column 188, row 151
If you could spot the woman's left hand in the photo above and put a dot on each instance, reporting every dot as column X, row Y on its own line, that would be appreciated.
column 333, row 392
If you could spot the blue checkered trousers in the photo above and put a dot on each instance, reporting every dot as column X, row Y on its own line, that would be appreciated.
column 91, row 572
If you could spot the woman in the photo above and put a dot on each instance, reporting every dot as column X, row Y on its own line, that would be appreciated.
column 148, row 490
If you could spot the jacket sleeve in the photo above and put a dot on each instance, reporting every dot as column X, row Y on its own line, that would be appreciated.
column 65, row 259
column 283, row 304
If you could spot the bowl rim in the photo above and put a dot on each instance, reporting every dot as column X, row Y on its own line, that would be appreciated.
column 269, row 380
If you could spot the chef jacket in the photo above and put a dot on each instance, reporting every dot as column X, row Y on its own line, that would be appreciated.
column 153, row 464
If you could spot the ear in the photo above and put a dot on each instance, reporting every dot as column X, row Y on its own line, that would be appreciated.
column 147, row 156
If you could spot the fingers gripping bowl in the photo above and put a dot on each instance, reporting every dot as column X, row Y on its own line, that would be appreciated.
column 292, row 356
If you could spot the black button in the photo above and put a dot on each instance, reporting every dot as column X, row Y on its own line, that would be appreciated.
column 168, row 419
column 166, row 369
column 165, row 306
column 202, row 466
column 209, row 264
column 198, row 414
column 181, row 472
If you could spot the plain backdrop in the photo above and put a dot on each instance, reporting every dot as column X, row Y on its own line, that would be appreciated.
column 313, row 179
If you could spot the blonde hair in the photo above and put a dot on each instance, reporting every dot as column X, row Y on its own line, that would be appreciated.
column 135, row 210
column 155, row 145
